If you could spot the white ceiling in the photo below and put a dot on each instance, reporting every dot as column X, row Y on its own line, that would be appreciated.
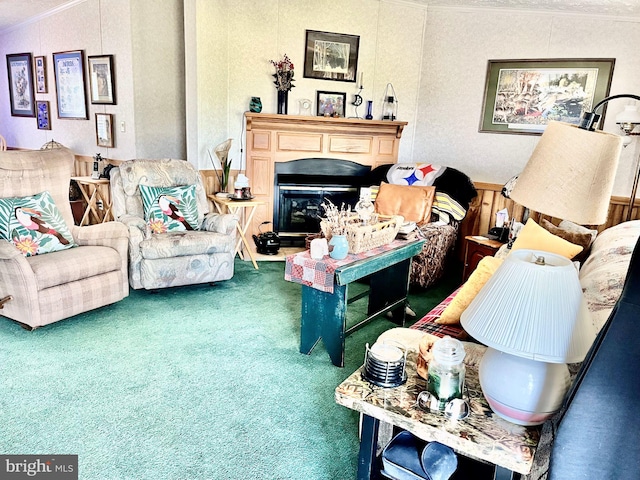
column 13, row 12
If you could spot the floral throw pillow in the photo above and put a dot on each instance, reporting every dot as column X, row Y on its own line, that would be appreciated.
column 170, row 209
column 34, row 225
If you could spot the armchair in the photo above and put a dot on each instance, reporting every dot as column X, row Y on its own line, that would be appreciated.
column 161, row 260
column 52, row 286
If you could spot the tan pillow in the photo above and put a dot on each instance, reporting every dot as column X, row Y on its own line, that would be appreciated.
column 412, row 202
column 573, row 233
column 481, row 275
column 534, row 237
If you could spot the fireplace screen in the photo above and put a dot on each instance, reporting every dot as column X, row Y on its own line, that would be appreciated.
column 300, row 208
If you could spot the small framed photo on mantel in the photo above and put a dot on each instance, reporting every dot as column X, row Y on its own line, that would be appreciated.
column 330, row 104
column 104, row 129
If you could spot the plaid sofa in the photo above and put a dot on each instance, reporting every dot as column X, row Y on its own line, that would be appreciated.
column 53, row 286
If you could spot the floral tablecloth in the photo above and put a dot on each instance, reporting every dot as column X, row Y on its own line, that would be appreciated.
column 320, row 274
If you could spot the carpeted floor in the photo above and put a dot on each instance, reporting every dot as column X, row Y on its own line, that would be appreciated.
column 200, row 382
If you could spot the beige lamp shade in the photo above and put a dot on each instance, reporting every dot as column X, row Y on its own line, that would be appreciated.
column 570, row 174
column 532, row 310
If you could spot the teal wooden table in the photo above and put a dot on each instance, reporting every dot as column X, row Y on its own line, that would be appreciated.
column 324, row 314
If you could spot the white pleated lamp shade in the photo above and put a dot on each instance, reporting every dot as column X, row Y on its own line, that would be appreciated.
column 570, row 174
column 532, row 310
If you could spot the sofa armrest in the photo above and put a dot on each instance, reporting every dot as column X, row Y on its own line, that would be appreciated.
column 17, row 279
column 109, row 234
column 220, row 223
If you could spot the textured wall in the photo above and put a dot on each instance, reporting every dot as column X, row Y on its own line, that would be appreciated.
column 158, row 76
column 97, row 27
column 436, row 58
column 149, row 76
column 458, row 43
column 391, row 46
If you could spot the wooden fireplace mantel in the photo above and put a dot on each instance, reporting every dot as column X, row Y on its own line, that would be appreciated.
column 282, row 138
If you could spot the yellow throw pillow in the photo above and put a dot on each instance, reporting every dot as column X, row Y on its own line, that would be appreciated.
column 534, row 237
column 481, row 275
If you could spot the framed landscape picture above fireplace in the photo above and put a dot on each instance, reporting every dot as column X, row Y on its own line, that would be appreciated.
column 331, row 56
column 522, row 96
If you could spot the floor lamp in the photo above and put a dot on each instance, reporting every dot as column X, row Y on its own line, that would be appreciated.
column 628, row 120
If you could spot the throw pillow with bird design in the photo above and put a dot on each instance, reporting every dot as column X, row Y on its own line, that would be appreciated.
column 170, row 209
column 34, row 225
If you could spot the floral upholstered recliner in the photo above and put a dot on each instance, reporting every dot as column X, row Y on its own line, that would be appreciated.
column 163, row 253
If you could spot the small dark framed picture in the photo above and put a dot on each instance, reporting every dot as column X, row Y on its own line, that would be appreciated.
column 101, row 79
column 330, row 104
column 44, row 120
column 21, row 92
column 41, row 74
column 331, row 56
column 104, row 129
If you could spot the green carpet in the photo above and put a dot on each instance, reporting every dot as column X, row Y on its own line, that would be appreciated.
column 200, row 382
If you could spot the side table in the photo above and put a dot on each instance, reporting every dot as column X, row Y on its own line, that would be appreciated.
column 244, row 210
column 90, row 189
column 476, row 248
column 482, row 435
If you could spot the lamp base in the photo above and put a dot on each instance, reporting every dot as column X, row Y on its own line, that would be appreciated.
column 520, row 390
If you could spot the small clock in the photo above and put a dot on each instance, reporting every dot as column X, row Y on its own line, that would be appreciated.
column 305, row 107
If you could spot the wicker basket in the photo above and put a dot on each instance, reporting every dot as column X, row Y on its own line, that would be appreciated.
column 365, row 237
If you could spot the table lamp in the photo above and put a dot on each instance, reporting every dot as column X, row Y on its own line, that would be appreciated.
column 534, row 319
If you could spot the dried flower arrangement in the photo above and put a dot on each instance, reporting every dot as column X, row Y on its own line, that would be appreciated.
column 284, row 74
column 337, row 219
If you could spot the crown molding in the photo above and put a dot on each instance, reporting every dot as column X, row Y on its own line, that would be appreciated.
column 43, row 15
column 526, row 11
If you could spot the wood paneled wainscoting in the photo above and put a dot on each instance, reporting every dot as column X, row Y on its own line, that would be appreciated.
column 479, row 219
column 482, row 211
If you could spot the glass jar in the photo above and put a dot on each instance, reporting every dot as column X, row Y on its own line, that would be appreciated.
column 364, row 208
column 445, row 375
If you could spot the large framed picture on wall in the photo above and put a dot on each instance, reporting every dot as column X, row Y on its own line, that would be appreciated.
column 71, row 96
column 331, row 56
column 522, row 96
column 21, row 96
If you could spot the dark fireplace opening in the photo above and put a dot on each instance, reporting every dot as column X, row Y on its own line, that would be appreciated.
column 302, row 186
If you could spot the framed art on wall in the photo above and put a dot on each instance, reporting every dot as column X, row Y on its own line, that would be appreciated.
column 331, row 56
column 68, row 68
column 44, row 122
column 21, row 94
column 101, row 79
column 330, row 104
column 104, row 129
column 41, row 74
column 522, row 96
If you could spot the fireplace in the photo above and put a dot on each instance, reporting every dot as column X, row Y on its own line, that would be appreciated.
column 301, row 186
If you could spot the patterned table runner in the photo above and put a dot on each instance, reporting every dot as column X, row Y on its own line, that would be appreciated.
column 320, row 274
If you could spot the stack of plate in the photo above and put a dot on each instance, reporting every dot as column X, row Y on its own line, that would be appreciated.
column 384, row 365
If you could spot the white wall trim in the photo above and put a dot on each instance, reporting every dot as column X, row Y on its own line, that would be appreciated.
column 41, row 16
column 525, row 11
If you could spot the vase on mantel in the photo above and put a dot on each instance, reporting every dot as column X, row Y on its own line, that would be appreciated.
column 283, row 102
